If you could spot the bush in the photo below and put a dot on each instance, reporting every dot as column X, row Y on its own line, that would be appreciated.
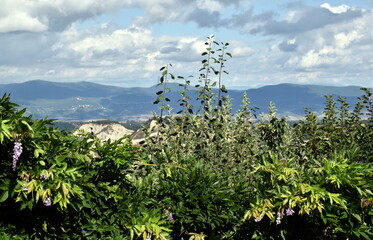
column 206, row 173
column 57, row 185
column 310, row 181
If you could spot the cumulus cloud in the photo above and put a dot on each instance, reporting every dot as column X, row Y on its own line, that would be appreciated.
column 313, row 44
column 307, row 19
column 337, row 46
column 336, row 53
column 288, row 46
column 205, row 13
column 239, row 49
column 27, row 48
column 96, row 54
column 338, row 9
column 45, row 39
column 21, row 21
column 43, row 15
column 133, row 45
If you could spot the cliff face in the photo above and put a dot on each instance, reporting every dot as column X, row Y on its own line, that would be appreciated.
column 105, row 132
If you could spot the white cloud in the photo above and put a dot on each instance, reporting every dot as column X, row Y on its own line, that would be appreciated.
column 243, row 51
column 210, row 5
column 312, row 58
column 339, row 9
column 304, row 19
column 102, row 54
column 303, row 44
column 343, row 40
column 56, row 15
column 132, row 41
column 21, row 21
column 338, row 54
column 337, row 46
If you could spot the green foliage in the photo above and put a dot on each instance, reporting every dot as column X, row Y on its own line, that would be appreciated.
column 326, row 190
column 201, row 199
column 162, row 98
column 204, row 173
column 151, row 225
column 61, row 185
column 302, row 182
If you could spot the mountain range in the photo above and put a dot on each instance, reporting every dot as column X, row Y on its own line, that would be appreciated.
column 89, row 101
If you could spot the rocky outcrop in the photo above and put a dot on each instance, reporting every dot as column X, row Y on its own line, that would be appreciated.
column 105, row 132
column 115, row 131
column 139, row 136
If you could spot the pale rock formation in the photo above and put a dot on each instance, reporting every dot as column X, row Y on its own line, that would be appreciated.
column 105, row 132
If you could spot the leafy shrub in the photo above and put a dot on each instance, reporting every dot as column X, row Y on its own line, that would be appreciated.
column 57, row 185
column 206, row 173
column 310, row 181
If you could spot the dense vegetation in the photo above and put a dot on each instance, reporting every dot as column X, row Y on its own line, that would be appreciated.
column 205, row 173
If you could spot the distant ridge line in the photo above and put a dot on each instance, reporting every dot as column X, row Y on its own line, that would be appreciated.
column 85, row 100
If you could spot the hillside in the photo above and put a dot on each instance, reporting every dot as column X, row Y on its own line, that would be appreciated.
column 85, row 100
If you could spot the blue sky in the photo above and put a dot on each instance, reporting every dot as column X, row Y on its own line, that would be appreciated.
column 126, row 42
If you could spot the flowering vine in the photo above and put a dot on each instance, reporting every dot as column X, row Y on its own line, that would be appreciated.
column 17, row 151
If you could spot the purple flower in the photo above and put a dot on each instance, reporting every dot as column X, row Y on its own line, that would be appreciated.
column 170, row 218
column 47, row 202
column 278, row 220
column 289, row 212
column 43, row 176
column 17, row 151
column 25, row 188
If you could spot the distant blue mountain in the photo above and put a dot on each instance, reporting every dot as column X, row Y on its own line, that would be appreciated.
column 40, row 89
column 86, row 100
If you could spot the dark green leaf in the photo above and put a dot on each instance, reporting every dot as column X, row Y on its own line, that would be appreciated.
column 4, row 196
column 223, row 89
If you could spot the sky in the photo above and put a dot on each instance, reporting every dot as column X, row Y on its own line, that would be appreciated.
column 125, row 42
